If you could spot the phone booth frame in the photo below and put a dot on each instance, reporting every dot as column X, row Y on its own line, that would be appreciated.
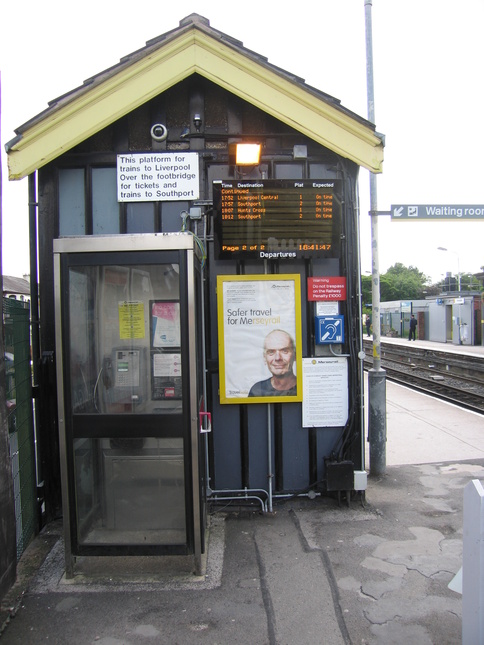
column 102, row 251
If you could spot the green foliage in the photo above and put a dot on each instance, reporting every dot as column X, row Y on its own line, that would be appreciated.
column 366, row 293
column 408, row 283
column 398, row 283
column 469, row 282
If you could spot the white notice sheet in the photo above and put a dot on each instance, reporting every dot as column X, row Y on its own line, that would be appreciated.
column 325, row 392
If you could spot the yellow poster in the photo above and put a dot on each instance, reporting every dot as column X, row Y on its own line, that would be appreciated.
column 259, row 331
column 131, row 320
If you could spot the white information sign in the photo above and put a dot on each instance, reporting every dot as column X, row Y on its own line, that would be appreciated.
column 166, row 364
column 325, row 392
column 328, row 308
column 158, row 176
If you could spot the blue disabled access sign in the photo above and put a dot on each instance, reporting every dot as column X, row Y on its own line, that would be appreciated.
column 330, row 330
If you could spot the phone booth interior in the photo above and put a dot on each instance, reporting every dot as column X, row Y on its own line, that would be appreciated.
column 129, row 394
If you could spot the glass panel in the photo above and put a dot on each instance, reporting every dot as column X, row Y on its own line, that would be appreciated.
column 130, row 491
column 140, row 217
column 171, row 222
column 321, row 171
column 83, row 363
column 125, row 345
column 105, row 207
column 216, row 172
column 72, row 202
column 288, row 171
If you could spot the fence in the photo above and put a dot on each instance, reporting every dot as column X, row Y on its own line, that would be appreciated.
column 16, row 319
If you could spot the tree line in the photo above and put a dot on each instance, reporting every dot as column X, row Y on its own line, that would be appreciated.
column 408, row 283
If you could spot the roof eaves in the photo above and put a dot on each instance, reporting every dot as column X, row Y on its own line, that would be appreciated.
column 191, row 23
column 126, row 61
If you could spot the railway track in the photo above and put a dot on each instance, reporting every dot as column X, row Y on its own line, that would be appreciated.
column 456, row 378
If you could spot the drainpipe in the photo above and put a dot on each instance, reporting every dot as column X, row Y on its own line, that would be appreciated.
column 361, row 352
column 34, row 286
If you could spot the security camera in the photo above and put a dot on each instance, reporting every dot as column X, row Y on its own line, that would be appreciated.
column 159, row 132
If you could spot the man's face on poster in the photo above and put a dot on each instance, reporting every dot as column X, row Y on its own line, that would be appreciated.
column 279, row 353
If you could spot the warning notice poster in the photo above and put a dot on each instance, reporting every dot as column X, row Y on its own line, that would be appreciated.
column 131, row 320
column 259, row 338
column 325, row 382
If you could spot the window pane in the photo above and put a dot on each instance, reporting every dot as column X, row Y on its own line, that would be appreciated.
column 321, row 171
column 125, row 339
column 72, row 202
column 171, row 222
column 288, row 171
column 140, row 217
column 112, row 475
column 105, row 207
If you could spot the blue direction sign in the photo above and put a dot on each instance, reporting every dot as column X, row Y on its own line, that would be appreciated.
column 330, row 330
column 437, row 211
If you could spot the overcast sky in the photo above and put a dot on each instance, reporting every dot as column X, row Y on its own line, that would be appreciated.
column 429, row 96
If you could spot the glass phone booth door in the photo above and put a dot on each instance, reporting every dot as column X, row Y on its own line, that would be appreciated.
column 129, row 393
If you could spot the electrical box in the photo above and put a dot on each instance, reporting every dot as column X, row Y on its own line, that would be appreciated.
column 339, row 475
column 361, row 480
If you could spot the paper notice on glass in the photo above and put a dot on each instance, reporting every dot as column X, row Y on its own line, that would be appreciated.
column 325, row 392
column 165, row 322
column 131, row 320
column 166, row 365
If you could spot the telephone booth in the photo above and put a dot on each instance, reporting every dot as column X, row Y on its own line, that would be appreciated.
column 130, row 378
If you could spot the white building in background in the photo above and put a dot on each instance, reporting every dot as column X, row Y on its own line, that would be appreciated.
column 452, row 317
column 16, row 288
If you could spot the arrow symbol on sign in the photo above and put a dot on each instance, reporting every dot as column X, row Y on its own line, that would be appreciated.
column 397, row 212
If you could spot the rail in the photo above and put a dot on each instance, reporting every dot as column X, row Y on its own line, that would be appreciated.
column 455, row 378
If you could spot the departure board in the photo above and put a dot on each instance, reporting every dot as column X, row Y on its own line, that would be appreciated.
column 277, row 219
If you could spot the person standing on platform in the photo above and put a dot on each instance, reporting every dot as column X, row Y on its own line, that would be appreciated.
column 413, row 328
column 368, row 326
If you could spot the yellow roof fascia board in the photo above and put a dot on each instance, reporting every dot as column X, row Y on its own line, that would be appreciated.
column 193, row 51
column 99, row 106
column 292, row 104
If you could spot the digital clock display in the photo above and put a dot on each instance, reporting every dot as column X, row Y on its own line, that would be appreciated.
column 277, row 219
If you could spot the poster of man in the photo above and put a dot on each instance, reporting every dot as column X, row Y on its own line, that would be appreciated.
column 279, row 355
column 259, row 338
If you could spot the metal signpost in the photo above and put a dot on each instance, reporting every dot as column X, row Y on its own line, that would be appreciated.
column 377, row 428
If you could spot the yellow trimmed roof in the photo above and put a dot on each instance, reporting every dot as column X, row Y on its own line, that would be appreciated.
column 193, row 48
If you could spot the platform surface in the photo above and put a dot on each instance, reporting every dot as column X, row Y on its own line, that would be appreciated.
column 311, row 572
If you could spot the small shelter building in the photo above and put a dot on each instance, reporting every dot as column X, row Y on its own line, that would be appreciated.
column 200, row 329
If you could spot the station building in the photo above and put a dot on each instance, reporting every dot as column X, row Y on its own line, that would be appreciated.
column 454, row 317
column 199, row 333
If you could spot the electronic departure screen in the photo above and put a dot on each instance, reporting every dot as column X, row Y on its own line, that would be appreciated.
column 277, row 219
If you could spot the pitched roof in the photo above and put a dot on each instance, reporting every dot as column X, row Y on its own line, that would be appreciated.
column 193, row 47
column 11, row 284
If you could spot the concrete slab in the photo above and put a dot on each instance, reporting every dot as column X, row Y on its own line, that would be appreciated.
column 302, row 598
column 422, row 429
